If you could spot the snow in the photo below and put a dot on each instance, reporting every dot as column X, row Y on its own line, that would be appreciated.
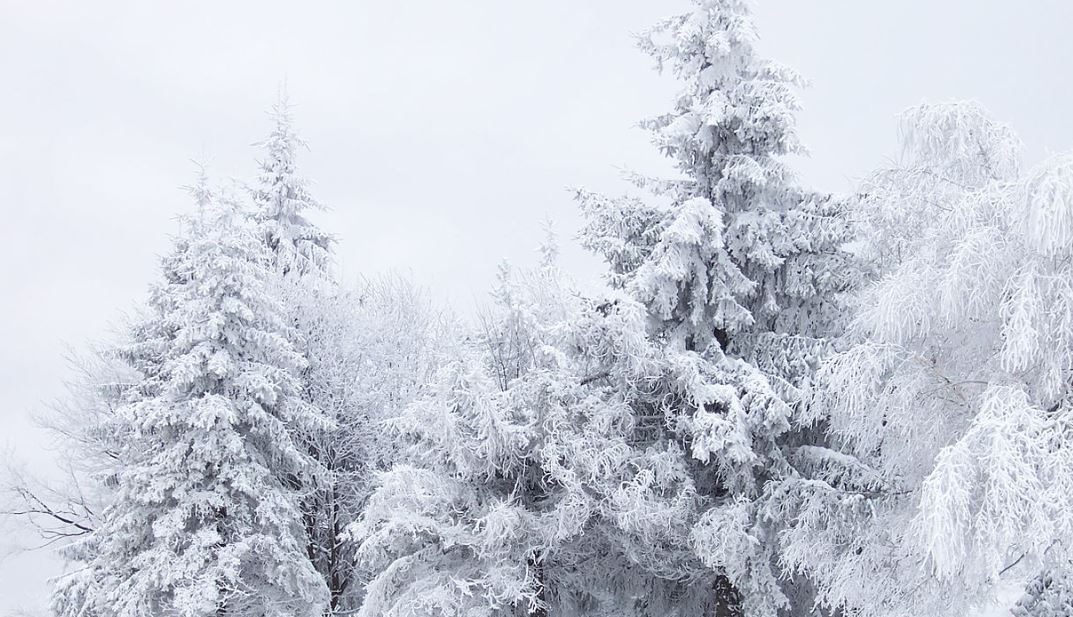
column 786, row 402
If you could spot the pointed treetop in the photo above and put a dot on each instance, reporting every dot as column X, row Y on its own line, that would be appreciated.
column 734, row 246
column 215, row 208
column 200, row 190
column 282, row 199
column 549, row 245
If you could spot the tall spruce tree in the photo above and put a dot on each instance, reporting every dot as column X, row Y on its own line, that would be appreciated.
column 205, row 517
column 742, row 274
column 300, row 258
column 621, row 460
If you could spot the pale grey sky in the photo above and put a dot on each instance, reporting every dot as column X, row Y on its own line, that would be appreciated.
column 441, row 134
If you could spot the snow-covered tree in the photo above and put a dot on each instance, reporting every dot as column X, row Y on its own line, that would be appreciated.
column 205, row 518
column 320, row 312
column 492, row 508
column 451, row 528
column 947, row 150
column 367, row 349
column 1048, row 595
column 742, row 274
column 372, row 349
column 735, row 249
column 282, row 201
column 67, row 506
column 534, row 477
column 948, row 406
column 525, row 304
column 442, row 531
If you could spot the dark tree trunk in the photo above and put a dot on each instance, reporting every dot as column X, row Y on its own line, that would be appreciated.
column 727, row 598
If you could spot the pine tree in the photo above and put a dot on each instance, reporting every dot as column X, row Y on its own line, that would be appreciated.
column 205, row 519
column 742, row 275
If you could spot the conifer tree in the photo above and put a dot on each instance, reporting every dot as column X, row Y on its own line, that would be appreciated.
column 282, row 200
column 738, row 249
column 742, row 275
column 300, row 256
column 205, row 517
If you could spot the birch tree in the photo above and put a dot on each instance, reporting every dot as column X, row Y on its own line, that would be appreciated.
column 948, row 406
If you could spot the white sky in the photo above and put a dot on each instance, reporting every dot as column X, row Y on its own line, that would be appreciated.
column 441, row 134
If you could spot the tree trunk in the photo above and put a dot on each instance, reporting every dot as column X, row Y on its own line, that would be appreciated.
column 727, row 598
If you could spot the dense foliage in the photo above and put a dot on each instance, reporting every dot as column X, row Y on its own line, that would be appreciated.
column 784, row 403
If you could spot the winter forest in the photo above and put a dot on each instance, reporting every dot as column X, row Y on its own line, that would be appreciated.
column 782, row 402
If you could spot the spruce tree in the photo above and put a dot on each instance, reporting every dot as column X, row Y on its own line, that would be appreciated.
column 742, row 274
column 282, row 201
column 205, row 516
column 300, row 258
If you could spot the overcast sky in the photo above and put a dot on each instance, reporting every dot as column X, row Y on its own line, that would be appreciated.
column 441, row 134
